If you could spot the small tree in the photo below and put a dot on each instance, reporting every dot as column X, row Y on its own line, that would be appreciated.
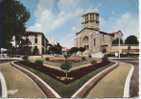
column 82, row 49
column 73, row 50
column 66, row 66
column 24, row 47
column 116, row 41
column 131, row 40
column 58, row 49
column 35, row 51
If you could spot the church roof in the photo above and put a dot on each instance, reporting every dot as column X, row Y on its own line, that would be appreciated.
column 105, row 33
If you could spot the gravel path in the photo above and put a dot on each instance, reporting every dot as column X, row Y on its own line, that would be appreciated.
column 112, row 85
column 19, row 84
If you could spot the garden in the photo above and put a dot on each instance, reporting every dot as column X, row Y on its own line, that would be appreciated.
column 64, row 81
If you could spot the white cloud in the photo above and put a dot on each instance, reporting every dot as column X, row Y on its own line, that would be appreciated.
column 127, row 23
column 47, row 21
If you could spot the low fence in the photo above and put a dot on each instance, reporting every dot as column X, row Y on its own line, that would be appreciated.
column 124, row 49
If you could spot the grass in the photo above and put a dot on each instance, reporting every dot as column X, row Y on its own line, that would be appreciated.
column 65, row 90
column 58, row 63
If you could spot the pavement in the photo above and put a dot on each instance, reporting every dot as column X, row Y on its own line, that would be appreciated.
column 19, row 84
column 112, row 85
column 134, row 85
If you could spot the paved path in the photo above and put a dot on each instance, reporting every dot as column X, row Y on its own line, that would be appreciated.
column 134, row 87
column 112, row 85
column 19, row 84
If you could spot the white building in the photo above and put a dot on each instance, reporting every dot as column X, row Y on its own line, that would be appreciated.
column 37, row 40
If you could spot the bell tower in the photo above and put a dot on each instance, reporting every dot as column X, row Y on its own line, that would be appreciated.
column 90, row 20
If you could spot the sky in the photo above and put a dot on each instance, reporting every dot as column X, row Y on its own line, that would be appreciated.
column 59, row 20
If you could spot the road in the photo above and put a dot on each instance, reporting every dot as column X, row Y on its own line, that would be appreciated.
column 134, row 86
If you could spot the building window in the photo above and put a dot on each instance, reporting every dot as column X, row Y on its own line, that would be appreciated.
column 94, row 42
column 91, row 17
column 36, row 40
column 86, row 19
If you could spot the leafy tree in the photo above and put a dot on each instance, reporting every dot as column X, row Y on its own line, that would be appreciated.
column 73, row 50
column 24, row 47
column 82, row 49
column 116, row 41
column 131, row 40
column 55, row 49
column 66, row 65
column 35, row 51
column 1, row 26
column 58, row 48
column 15, row 17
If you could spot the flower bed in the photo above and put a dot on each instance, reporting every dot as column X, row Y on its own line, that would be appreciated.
column 61, row 58
column 64, row 90
column 59, row 75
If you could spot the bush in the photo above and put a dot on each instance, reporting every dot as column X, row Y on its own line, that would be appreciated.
column 105, row 58
column 25, row 58
column 93, row 62
column 83, row 58
column 47, row 59
column 66, row 66
column 39, row 62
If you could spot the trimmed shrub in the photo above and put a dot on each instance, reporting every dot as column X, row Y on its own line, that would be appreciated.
column 83, row 58
column 66, row 66
column 105, row 58
column 93, row 62
column 39, row 62
column 25, row 58
column 47, row 59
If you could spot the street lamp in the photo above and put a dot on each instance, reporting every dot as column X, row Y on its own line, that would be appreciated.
column 119, row 47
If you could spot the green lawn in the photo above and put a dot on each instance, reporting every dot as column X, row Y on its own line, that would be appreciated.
column 58, row 63
column 63, row 89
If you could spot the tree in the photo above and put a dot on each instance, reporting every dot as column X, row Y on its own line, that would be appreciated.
column 35, row 51
column 82, row 49
column 15, row 17
column 66, row 65
column 24, row 47
column 116, row 41
column 58, row 49
column 131, row 40
column 73, row 50
column 1, row 26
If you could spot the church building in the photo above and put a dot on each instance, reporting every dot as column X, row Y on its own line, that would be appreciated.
column 91, row 37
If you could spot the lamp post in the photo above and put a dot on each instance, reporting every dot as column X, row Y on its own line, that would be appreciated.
column 119, row 47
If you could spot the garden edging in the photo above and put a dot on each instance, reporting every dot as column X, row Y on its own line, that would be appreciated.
column 93, row 81
column 3, row 86
column 127, row 83
column 43, row 85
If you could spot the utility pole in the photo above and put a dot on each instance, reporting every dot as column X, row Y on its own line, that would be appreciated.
column 119, row 46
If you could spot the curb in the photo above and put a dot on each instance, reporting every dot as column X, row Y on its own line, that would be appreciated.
column 91, row 82
column 127, row 83
column 42, row 84
column 3, row 86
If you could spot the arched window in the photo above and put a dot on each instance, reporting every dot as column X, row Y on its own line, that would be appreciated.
column 85, row 42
